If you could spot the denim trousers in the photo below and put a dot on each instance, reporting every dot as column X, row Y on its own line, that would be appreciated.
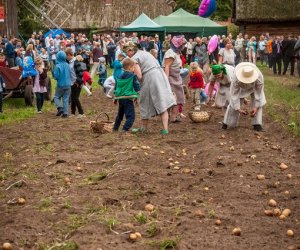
column 39, row 100
column 126, row 107
column 75, row 102
column 61, row 99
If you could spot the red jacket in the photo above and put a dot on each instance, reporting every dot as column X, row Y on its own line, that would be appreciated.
column 196, row 80
column 86, row 77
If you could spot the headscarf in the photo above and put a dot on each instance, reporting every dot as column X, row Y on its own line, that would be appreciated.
column 218, row 68
column 177, row 42
column 130, row 46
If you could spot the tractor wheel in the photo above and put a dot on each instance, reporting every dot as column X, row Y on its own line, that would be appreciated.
column 29, row 95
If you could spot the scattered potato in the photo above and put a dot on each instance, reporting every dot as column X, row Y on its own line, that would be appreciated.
column 67, row 180
column 176, row 162
column 282, row 217
column 176, row 168
column 79, row 169
column 171, row 164
column 286, row 212
column 206, row 188
column 272, row 203
column 134, row 148
column 231, row 148
column 162, row 152
column 218, row 222
column 149, row 207
column 138, row 235
column 133, row 236
column 223, row 136
column 7, row 246
column 290, row 233
column 286, row 192
column 236, row 231
column 277, row 212
column 260, row 177
column 199, row 213
column 170, row 159
column 145, row 153
column 221, row 144
column 21, row 201
column 289, row 176
column 269, row 212
column 253, row 157
column 283, row 166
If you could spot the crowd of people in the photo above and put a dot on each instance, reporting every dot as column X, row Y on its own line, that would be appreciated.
column 153, row 72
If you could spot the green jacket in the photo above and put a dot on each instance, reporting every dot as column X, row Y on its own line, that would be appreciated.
column 125, row 89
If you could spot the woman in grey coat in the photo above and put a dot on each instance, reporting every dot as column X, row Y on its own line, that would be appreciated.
column 156, row 96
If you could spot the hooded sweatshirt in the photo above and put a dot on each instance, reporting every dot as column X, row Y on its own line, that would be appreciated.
column 62, row 72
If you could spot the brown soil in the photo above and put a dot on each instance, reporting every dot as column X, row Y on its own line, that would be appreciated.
column 98, row 206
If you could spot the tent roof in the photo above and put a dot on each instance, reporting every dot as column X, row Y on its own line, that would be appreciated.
column 184, row 19
column 142, row 23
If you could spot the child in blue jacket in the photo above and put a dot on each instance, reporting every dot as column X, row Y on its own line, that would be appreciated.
column 62, row 74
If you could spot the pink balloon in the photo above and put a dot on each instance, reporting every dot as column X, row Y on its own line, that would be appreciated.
column 212, row 44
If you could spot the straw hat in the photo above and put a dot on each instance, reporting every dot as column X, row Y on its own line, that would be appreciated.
column 246, row 72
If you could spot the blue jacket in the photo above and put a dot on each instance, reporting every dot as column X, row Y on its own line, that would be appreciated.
column 118, row 69
column 10, row 51
column 62, row 72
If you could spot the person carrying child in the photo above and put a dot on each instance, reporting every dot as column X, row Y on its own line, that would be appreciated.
column 62, row 75
column 196, row 85
column 102, row 71
column 126, row 90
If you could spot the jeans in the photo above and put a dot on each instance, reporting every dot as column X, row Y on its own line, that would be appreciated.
column 11, row 62
column 126, row 107
column 62, row 94
column 1, row 102
column 111, row 58
column 75, row 103
column 39, row 100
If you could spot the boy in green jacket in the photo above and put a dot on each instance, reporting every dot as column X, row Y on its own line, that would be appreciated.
column 126, row 90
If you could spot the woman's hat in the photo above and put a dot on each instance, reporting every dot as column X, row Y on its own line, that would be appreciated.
column 246, row 72
column 178, row 41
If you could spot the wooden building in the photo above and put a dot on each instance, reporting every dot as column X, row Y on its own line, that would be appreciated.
column 277, row 17
column 8, row 17
column 107, row 14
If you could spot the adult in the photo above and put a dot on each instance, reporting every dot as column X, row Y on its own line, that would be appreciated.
column 156, row 96
column 47, row 40
column 227, row 55
column 247, row 80
column 96, row 54
column 277, row 55
column 10, row 52
column 111, row 50
column 172, row 64
column 189, row 52
column 134, row 38
column 251, row 48
column 289, row 55
column 52, row 51
column 200, row 56
column 223, row 75
column 244, row 54
column 165, row 46
column 297, row 50
column 158, row 44
column 262, row 50
column 30, row 51
column 239, row 44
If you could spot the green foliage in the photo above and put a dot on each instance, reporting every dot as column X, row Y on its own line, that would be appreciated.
column 233, row 29
column 141, row 218
column 224, row 8
column 27, row 21
column 68, row 245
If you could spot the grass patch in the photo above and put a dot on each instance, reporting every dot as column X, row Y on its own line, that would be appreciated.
column 152, row 229
column 141, row 218
column 68, row 245
column 165, row 243
column 94, row 178
column 110, row 223
column 283, row 100
column 45, row 204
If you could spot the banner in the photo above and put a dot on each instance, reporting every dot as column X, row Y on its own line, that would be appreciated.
column 2, row 14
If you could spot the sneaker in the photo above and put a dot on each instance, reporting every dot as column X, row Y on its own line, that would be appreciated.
column 81, row 116
column 40, row 112
column 64, row 116
column 224, row 126
column 138, row 130
column 164, row 132
column 59, row 113
column 258, row 128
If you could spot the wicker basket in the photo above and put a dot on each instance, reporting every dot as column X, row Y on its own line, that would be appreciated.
column 101, row 126
column 199, row 116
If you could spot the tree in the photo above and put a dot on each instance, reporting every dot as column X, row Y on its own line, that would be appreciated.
column 223, row 12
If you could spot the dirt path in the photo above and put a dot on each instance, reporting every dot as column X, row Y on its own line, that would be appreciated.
column 88, row 190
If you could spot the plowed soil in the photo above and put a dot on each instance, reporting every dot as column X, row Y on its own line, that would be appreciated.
column 88, row 191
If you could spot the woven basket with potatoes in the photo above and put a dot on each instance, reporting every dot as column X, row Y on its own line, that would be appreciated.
column 101, row 126
column 199, row 116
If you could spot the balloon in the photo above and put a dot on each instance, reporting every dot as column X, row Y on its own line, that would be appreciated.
column 207, row 8
column 212, row 44
column 28, row 67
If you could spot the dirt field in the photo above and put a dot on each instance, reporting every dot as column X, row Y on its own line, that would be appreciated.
column 88, row 191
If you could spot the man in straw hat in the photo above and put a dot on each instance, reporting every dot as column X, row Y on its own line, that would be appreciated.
column 247, row 81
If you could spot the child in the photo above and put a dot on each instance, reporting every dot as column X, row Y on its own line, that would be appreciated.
column 2, row 86
column 39, row 84
column 87, row 82
column 196, row 85
column 44, row 55
column 62, row 74
column 102, row 71
column 109, row 84
column 118, row 67
column 3, row 61
column 127, row 87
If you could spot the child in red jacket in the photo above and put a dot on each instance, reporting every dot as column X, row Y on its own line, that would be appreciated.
column 196, row 85
column 87, row 82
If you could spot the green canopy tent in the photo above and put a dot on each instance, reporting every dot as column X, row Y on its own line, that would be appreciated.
column 182, row 21
column 142, row 23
